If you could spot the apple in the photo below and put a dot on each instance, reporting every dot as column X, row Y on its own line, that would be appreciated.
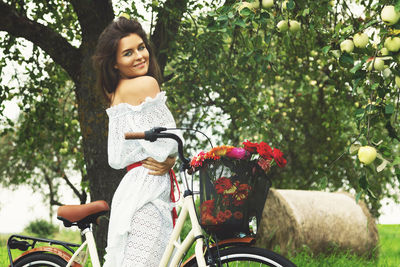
column 282, row 25
column 347, row 46
column 379, row 63
column 384, row 51
column 392, row 44
column 267, row 3
column 255, row 4
column 386, row 73
column 251, row 6
column 389, row 15
column 367, row 154
column 63, row 150
column 294, row 26
column 397, row 81
column 360, row 40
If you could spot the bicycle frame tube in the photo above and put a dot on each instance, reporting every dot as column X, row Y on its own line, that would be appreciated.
column 91, row 246
column 194, row 235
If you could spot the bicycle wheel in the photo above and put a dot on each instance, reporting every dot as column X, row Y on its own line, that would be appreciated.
column 249, row 257
column 40, row 259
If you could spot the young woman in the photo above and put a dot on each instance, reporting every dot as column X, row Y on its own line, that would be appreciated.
column 128, row 74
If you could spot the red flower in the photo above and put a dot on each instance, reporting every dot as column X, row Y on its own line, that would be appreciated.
column 221, row 217
column 228, row 214
column 208, row 219
column 250, row 147
column 238, row 215
column 264, row 150
column 278, row 157
column 207, row 206
column 222, row 184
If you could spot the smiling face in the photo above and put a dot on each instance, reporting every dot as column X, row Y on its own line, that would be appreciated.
column 132, row 59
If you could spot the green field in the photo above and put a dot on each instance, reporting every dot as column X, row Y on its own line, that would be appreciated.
column 389, row 251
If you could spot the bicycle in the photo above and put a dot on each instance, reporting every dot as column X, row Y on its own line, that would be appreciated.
column 222, row 253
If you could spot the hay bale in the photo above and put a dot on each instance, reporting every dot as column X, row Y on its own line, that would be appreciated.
column 320, row 221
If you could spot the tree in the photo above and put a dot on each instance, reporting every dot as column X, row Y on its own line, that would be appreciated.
column 67, row 32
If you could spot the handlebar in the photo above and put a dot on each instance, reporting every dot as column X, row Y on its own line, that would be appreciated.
column 157, row 132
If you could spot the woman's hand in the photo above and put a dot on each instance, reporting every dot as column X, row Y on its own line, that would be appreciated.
column 158, row 168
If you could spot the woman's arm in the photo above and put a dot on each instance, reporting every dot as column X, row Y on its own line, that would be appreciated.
column 158, row 168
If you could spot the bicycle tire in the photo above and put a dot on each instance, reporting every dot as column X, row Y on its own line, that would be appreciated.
column 248, row 256
column 40, row 259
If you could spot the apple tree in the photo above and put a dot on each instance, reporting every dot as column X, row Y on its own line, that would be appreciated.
column 281, row 73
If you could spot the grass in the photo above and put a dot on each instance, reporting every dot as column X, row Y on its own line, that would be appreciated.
column 389, row 251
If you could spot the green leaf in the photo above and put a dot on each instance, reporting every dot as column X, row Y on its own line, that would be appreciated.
column 360, row 113
column 240, row 23
column 358, row 196
column 389, row 109
column 305, row 12
column 374, row 86
column 222, row 18
column 397, row 172
column 396, row 161
column 290, row 5
column 356, row 67
column 370, row 193
column 245, row 12
column 346, row 59
column 323, row 183
column 326, row 49
column 363, row 182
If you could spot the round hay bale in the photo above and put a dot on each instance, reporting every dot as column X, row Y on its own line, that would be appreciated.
column 320, row 221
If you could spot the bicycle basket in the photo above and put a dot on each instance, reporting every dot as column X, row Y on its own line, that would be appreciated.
column 232, row 191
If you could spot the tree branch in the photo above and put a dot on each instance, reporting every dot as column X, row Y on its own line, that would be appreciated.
column 59, row 49
column 82, row 196
column 93, row 16
column 52, row 194
column 168, row 22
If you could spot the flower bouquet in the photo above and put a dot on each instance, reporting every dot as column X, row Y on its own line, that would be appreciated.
column 234, row 183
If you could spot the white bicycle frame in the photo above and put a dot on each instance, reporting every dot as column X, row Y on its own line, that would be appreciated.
column 195, row 235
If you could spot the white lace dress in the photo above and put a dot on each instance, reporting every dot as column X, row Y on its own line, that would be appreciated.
column 140, row 221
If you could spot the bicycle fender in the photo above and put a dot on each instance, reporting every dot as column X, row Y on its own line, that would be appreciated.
column 59, row 252
column 244, row 241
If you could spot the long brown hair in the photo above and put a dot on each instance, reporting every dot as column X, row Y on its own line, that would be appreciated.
column 104, row 58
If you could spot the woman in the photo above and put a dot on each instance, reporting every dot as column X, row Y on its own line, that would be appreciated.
column 140, row 221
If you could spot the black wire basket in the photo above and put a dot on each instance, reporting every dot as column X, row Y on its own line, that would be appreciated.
column 232, row 192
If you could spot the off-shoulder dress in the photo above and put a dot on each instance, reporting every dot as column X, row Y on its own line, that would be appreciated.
column 140, row 221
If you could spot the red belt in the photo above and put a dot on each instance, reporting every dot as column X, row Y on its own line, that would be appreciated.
column 172, row 196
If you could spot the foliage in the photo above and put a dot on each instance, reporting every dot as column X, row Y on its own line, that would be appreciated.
column 41, row 228
column 295, row 88
column 44, row 144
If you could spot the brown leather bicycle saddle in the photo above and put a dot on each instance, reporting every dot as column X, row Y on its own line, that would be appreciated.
column 82, row 214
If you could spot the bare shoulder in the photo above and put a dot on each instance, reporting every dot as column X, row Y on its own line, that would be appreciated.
column 134, row 91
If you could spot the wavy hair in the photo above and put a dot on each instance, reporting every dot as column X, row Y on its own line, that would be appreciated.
column 104, row 58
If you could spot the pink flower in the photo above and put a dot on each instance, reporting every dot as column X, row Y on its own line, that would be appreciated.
column 237, row 153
